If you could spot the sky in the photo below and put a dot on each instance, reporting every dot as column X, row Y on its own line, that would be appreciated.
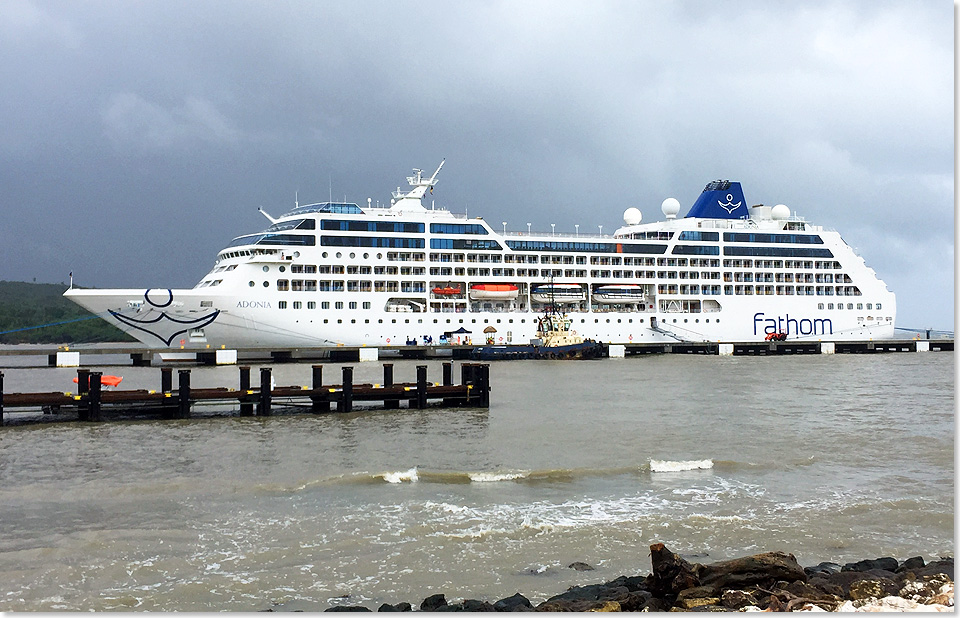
column 138, row 138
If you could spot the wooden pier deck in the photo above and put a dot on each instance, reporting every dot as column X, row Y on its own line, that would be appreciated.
column 92, row 402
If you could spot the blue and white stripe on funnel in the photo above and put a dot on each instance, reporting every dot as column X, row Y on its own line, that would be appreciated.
column 721, row 199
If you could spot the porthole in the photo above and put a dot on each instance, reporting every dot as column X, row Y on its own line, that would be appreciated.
column 324, row 254
column 266, row 284
column 352, row 255
column 366, row 256
column 252, row 284
column 339, row 255
column 283, row 269
column 296, row 254
column 266, row 269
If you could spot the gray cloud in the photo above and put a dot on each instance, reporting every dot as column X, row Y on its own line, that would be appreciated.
column 138, row 138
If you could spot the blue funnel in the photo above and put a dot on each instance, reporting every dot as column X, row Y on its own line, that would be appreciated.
column 721, row 199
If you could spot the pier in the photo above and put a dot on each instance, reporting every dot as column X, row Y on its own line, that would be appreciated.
column 92, row 402
column 67, row 356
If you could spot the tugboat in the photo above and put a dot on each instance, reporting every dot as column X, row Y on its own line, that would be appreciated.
column 555, row 340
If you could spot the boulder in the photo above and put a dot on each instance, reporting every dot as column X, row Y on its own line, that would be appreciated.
column 433, row 602
column 736, row 599
column 883, row 564
column 399, row 607
column 873, row 589
column 823, row 567
column 347, row 608
column 516, row 603
column 911, row 564
column 580, row 566
column 468, row 605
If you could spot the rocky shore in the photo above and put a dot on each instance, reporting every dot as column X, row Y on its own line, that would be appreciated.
column 771, row 581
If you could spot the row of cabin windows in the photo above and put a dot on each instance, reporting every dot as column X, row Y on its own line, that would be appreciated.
column 850, row 306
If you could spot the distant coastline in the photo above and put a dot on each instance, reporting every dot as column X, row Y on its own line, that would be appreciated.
column 38, row 313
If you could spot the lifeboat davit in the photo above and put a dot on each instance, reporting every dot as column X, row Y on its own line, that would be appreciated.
column 494, row 291
column 623, row 293
column 558, row 293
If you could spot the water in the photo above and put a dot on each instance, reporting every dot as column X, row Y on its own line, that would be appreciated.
column 830, row 457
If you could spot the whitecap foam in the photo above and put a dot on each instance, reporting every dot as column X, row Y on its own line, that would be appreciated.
column 658, row 465
column 493, row 477
column 409, row 476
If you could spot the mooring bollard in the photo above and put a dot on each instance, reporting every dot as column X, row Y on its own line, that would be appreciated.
column 246, row 407
column 93, row 411
column 317, row 404
column 421, row 387
column 183, row 394
column 389, row 404
column 266, row 381
column 346, row 396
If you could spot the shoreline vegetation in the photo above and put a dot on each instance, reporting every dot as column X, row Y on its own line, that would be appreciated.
column 38, row 313
column 772, row 581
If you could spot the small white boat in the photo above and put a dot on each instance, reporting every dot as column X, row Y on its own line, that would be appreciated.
column 624, row 293
column 494, row 291
column 558, row 293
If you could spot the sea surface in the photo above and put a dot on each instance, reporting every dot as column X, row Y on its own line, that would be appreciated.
column 830, row 457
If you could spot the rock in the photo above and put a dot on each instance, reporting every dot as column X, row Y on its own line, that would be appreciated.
column 736, row 599
column 944, row 565
column 513, row 604
column 399, row 607
column 433, row 602
column 823, row 567
column 607, row 606
column 911, row 564
column 468, row 605
column 589, row 598
column 633, row 584
column 580, row 566
column 873, row 589
column 347, row 608
column 692, row 603
column 924, row 590
column 883, row 564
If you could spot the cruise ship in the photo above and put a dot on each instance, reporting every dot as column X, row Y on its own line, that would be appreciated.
column 336, row 273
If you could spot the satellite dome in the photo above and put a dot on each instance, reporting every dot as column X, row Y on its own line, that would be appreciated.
column 780, row 212
column 632, row 216
column 670, row 207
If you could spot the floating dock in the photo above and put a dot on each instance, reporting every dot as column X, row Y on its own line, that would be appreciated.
column 92, row 402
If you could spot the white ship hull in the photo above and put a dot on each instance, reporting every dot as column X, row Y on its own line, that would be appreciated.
column 299, row 284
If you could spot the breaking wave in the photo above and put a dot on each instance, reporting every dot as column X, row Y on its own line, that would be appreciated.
column 658, row 465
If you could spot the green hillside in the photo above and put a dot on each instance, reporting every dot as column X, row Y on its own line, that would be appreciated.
column 29, row 305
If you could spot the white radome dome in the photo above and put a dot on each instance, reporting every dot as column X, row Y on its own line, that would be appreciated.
column 670, row 207
column 780, row 212
column 632, row 216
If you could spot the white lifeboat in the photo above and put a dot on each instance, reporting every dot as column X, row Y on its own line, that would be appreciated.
column 623, row 293
column 558, row 293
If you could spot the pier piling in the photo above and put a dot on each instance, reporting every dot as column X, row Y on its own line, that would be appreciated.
column 421, row 387
column 1, row 398
column 94, row 397
column 345, row 404
column 183, row 394
column 246, row 405
column 266, row 382
column 317, row 404
column 447, row 374
column 83, row 387
column 389, row 404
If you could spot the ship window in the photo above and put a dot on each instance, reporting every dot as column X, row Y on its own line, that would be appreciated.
column 282, row 304
column 297, row 304
column 353, row 304
column 878, row 305
column 366, row 305
column 325, row 304
column 338, row 304
column 311, row 305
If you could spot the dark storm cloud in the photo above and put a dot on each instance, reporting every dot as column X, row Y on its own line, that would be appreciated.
column 136, row 139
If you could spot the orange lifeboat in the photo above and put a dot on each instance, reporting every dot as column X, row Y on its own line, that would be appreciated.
column 447, row 291
column 106, row 380
column 494, row 291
